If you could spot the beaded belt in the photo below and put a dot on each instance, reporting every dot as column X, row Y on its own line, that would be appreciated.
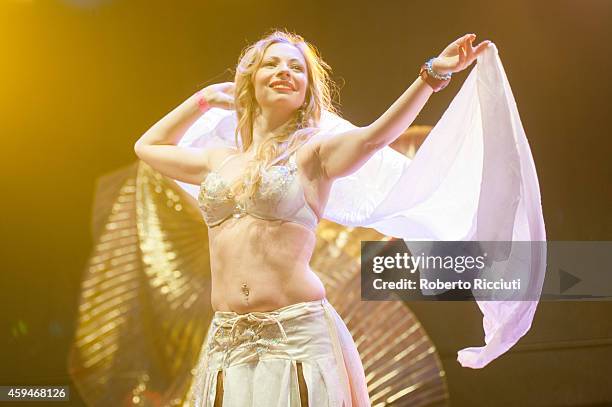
column 251, row 336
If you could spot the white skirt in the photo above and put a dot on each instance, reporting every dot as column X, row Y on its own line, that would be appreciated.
column 260, row 354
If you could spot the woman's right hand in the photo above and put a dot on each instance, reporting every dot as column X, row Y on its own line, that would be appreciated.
column 219, row 95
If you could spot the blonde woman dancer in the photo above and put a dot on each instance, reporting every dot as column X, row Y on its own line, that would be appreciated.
column 274, row 339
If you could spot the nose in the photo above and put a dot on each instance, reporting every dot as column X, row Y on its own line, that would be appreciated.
column 283, row 70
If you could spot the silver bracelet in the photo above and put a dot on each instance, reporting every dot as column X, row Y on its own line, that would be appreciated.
column 432, row 73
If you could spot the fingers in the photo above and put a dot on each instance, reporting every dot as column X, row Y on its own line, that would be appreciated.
column 465, row 51
column 469, row 39
column 461, row 39
column 473, row 52
column 464, row 48
column 462, row 54
column 468, row 45
column 482, row 46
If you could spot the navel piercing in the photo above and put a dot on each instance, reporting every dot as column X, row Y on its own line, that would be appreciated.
column 245, row 291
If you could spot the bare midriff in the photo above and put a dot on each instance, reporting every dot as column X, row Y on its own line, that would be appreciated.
column 261, row 265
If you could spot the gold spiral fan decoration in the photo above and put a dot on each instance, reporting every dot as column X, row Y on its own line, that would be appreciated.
column 145, row 303
column 145, row 299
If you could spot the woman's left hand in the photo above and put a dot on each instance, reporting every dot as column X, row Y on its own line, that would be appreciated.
column 458, row 55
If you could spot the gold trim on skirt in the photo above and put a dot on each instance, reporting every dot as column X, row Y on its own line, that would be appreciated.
column 257, row 354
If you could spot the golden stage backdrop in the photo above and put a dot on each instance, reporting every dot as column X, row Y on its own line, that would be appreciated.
column 145, row 303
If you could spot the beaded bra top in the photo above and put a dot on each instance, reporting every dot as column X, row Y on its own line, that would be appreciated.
column 280, row 195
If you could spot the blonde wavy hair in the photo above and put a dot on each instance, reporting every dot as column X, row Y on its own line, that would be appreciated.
column 300, row 128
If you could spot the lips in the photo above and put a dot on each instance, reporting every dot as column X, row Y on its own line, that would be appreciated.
column 282, row 85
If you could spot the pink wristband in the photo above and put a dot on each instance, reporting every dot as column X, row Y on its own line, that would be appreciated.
column 202, row 102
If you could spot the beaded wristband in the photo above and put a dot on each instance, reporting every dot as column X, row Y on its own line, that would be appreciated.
column 202, row 102
column 431, row 72
column 432, row 78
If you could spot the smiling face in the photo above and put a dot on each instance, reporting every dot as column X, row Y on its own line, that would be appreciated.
column 281, row 81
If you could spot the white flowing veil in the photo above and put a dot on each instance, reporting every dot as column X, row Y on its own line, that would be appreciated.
column 472, row 179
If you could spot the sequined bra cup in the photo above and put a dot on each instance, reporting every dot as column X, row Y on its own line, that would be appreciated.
column 280, row 196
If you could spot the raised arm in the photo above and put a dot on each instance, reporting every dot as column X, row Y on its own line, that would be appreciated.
column 157, row 146
column 345, row 153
